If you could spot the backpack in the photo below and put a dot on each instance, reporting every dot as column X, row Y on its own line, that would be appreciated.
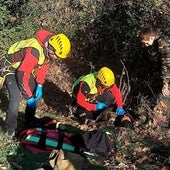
column 93, row 143
column 42, row 136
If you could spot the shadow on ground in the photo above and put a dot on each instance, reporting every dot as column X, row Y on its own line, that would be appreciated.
column 55, row 98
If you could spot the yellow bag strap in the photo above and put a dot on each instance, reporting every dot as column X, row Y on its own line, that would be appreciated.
column 2, row 79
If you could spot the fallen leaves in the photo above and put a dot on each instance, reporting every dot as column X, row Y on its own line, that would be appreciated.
column 165, row 168
column 141, row 149
column 161, row 107
column 119, row 157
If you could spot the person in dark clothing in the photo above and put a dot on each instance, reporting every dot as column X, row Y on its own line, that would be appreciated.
column 24, row 69
column 158, row 48
column 95, row 92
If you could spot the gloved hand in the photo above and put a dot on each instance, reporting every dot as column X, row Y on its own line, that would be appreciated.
column 100, row 106
column 31, row 102
column 120, row 111
column 38, row 92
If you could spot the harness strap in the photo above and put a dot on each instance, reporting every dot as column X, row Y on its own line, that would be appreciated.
column 60, row 140
column 42, row 141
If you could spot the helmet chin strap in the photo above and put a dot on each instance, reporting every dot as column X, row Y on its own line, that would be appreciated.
column 48, row 54
column 47, row 50
column 46, row 44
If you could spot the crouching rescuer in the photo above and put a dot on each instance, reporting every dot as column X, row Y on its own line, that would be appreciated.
column 94, row 92
column 25, row 67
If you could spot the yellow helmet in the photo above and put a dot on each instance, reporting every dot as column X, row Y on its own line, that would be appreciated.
column 106, row 76
column 61, row 45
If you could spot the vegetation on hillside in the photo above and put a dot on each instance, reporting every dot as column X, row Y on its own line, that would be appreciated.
column 103, row 33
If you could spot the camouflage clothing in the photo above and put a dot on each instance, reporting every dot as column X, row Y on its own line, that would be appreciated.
column 159, row 60
column 164, row 51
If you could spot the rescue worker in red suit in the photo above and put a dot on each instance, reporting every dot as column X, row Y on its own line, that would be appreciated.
column 95, row 92
column 25, row 67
